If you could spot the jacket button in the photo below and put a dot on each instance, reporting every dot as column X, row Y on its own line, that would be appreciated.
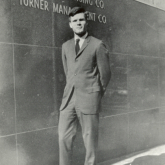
column 75, row 74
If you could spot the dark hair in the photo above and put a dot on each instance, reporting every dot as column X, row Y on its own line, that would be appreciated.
column 76, row 10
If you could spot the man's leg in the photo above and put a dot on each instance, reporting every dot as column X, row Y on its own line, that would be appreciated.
column 67, row 131
column 89, row 124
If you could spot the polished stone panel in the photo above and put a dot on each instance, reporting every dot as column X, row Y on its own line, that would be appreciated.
column 161, row 44
column 161, row 133
column 113, row 137
column 115, row 98
column 143, row 130
column 6, row 21
column 61, row 34
column 31, row 25
column 7, row 106
column 142, row 137
column 162, row 81
column 162, row 115
column 144, row 117
column 60, row 76
column 134, row 29
column 8, row 153
column 161, row 29
column 35, row 97
column 142, row 83
column 38, row 148
column 162, row 125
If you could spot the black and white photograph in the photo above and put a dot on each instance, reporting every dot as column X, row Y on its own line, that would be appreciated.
column 82, row 82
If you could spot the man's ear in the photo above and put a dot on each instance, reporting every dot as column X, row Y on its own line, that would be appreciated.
column 70, row 25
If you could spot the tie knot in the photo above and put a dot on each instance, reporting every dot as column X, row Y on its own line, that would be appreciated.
column 77, row 40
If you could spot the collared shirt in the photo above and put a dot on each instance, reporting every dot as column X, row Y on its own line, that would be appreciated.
column 82, row 39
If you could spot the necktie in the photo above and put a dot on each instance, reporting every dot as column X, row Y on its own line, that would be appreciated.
column 77, row 47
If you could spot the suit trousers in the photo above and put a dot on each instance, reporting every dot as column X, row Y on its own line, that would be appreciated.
column 67, row 128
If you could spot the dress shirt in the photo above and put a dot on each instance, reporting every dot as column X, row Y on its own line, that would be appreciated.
column 82, row 39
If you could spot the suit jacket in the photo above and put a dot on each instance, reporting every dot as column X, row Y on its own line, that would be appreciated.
column 87, row 74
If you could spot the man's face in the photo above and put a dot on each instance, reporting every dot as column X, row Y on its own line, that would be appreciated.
column 78, row 24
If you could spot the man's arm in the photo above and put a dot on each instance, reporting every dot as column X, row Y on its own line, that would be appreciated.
column 102, row 55
column 64, row 60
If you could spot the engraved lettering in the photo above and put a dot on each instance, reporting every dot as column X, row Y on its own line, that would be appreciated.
column 96, row 2
column 99, row 4
column 41, row 4
column 36, row 4
column 26, row 2
column 65, row 10
column 102, row 19
column 91, row 16
column 90, row 2
column 46, row 5
column 102, row 4
column 60, row 9
column 99, row 18
column 31, row 3
column 55, row 8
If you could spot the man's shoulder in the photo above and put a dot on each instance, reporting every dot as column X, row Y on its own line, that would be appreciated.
column 67, row 42
column 98, row 43
column 96, row 40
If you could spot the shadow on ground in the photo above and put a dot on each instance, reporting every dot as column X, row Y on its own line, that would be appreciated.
column 149, row 160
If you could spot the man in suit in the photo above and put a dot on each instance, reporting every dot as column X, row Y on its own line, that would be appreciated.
column 86, row 66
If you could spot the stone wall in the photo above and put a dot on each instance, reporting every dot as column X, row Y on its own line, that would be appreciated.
column 32, row 78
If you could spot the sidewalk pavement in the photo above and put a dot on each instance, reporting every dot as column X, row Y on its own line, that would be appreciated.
column 155, row 156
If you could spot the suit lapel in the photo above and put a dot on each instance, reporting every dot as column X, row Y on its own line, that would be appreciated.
column 85, row 44
column 72, row 47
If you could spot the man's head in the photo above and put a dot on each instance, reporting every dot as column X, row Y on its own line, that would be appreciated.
column 78, row 20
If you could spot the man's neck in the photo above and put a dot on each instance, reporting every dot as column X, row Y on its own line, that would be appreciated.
column 80, row 36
